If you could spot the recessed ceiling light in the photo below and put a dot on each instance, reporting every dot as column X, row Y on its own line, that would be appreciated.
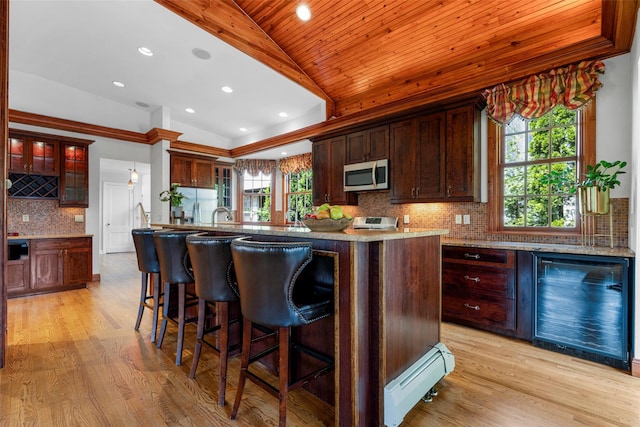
column 145, row 51
column 284, row 153
column 303, row 12
column 283, row 114
column 243, row 129
column 227, row 89
column 201, row 53
column 117, row 83
column 189, row 110
column 142, row 104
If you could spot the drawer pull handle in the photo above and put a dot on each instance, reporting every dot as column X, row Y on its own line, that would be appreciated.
column 474, row 279
column 474, row 256
column 475, row 307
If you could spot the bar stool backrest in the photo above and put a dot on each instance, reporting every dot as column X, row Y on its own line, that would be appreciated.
column 171, row 246
column 213, row 268
column 267, row 273
column 145, row 250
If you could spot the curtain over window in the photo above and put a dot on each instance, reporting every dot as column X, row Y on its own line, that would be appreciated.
column 295, row 164
column 571, row 86
column 254, row 166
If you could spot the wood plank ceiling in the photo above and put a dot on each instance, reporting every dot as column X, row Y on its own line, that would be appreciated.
column 375, row 57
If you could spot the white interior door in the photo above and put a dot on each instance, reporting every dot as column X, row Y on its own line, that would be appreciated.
column 117, row 215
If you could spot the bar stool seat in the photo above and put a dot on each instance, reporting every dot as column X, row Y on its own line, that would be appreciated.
column 149, row 266
column 217, row 290
column 175, row 271
column 279, row 290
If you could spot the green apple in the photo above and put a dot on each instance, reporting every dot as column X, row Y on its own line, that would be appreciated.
column 335, row 212
column 324, row 207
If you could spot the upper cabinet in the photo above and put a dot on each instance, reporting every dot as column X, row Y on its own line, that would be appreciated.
column 74, row 177
column 368, row 145
column 435, row 157
column 328, row 163
column 31, row 154
column 190, row 170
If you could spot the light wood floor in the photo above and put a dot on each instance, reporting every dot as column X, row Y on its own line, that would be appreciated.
column 74, row 359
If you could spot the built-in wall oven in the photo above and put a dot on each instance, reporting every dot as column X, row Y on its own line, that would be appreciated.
column 582, row 307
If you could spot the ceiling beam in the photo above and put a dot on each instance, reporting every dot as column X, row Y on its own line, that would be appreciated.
column 227, row 21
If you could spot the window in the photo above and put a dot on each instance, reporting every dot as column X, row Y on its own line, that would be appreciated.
column 523, row 151
column 298, row 195
column 256, row 197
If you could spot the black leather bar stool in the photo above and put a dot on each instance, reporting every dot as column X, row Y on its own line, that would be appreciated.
column 216, row 288
column 175, row 271
column 277, row 292
column 150, row 268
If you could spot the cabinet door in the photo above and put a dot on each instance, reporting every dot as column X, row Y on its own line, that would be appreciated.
column 402, row 159
column 356, row 147
column 338, row 155
column 46, row 269
column 74, row 179
column 378, row 143
column 203, row 172
column 320, row 182
column 181, row 171
column 18, row 152
column 77, row 265
column 17, row 276
column 431, row 157
column 44, row 157
column 462, row 154
column 368, row 145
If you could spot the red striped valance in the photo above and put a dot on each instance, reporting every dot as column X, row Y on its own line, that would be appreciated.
column 572, row 86
column 254, row 166
column 295, row 164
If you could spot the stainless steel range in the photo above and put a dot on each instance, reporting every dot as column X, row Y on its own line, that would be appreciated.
column 375, row 222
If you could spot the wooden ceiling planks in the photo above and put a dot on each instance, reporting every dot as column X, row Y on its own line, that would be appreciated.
column 387, row 55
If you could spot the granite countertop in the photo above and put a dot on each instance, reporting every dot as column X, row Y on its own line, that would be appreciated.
column 48, row 236
column 542, row 247
column 349, row 234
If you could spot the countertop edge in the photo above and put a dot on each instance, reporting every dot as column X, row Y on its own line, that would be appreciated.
column 48, row 236
column 542, row 247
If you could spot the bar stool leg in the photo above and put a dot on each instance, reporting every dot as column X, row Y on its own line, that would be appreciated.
column 165, row 314
column 283, row 333
column 155, row 279
column 222, row 310
column 143, row 297
column 244, row 364
column 202, row 307
column 182, row 292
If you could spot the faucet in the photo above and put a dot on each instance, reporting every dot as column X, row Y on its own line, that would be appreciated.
column 214, row 214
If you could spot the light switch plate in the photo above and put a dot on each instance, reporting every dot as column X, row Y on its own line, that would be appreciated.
column 458, row 219
column 467, row 219
column 79, row 218
column 25, row 218
column 406, row 219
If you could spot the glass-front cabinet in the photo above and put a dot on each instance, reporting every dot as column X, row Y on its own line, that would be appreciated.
column 30, row 154
column 74, row 177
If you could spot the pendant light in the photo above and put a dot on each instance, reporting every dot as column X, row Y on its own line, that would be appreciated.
column 134, row 174
column 130, row 184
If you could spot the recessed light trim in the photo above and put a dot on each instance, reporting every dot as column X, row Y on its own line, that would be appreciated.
column 117, row 83
column 226, row 89
column 242, row 129
column 142, row 104
column 189, row 110
column 283, row 114
column 145, row 51
column 201, row 53
column 303, row 12
column 284, row 153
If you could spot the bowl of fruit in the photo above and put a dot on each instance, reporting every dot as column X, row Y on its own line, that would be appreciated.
column 327, row 218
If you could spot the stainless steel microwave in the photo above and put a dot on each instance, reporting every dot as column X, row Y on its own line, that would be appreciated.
column 367, row 176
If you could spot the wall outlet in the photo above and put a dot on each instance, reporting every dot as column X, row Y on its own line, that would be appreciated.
column 467, row 219
column 458, row 219
column 406, row 219
column 79, row 218
column 25, row 218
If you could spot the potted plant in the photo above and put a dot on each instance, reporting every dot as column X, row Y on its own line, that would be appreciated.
column 594, row 188
column 174, row 197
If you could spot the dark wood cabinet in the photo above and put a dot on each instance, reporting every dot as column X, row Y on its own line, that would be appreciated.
column 368, row 145
column 479, row 288
column 74, row 176
column 328, row 164
column 54, row 264
column 32, row 154
column 434, row 157
column 192, row 170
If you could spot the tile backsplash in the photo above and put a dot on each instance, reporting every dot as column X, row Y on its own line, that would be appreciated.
column 442, row 215
column 46, row 217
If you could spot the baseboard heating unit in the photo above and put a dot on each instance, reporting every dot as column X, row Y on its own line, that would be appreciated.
column 403, row 392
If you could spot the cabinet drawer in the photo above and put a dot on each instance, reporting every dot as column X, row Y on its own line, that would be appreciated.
column 480, row 311
column 479, row 255
column 53, row 244
column 479, row 278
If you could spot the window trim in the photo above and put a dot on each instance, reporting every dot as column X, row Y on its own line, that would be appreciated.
column 285, row 196
column 241, row 200
column 495, row 138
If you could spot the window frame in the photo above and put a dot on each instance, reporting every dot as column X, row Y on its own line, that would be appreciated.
column 286, row 193
column 241, row 195
column 586, row 129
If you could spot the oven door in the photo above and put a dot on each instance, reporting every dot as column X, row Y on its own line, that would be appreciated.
column 367, row 176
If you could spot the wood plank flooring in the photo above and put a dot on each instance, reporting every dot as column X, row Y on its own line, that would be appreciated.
column 74, row 359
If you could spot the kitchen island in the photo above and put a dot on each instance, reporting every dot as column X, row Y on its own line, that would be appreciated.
column 387, row 312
